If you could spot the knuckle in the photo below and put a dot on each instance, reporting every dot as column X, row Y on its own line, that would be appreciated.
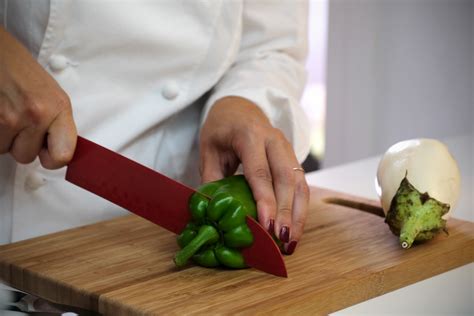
column 26, row 159
column 9, row 120
column 63, row 101
column 299, row 223
column 254, row 131
column 279, row 135
column 4, row 102
column 4, row 147
column 286, row 176
column 244, row 139
column 284, row 210
column 256, row 128
column 62, row 158
column 23, row 158
column 302, row 189
column 34, row 110
column 268, row 204
column 262, row 174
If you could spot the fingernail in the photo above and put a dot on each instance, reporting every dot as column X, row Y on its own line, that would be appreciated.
column 291, row 247
column 285, row 234
column 271, row 227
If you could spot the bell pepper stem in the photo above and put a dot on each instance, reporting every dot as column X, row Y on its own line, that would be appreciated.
column 207, row 234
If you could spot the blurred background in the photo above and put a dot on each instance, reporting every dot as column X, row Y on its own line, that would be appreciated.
column 380, row 71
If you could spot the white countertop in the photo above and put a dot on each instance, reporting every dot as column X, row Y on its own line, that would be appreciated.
column 450, row 293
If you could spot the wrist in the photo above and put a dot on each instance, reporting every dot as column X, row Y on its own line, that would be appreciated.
column 236, row 107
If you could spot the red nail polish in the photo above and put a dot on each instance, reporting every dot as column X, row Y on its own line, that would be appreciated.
column 271, row 227
column 285, row 234
column 291, row 247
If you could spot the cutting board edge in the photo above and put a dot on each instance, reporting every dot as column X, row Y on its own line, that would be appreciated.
column 420, row 275
column 37, row 282
column 362, row 291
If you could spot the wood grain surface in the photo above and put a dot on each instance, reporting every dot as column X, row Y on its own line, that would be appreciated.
column 124, row 266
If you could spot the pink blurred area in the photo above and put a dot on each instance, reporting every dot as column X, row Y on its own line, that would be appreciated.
column 314, row 97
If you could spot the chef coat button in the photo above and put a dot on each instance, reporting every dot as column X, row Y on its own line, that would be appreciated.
column 34, row 181
column 170, row 90
column 58, row 63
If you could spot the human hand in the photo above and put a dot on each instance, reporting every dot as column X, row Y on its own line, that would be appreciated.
column 237, row 131
column 34, row 110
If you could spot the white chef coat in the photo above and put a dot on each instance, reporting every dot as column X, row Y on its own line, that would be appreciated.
column 141, row 76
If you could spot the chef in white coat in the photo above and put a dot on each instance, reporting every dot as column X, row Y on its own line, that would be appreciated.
column 189, row 88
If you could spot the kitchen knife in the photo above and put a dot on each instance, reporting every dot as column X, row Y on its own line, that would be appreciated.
column 155, row 197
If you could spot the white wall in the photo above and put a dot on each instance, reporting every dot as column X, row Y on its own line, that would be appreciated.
column 397, row 70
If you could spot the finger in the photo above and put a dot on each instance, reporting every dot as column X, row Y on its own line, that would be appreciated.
column 257, row 172
column 300, row 211
column 210, row 167
column 61, row 141
column 10, row 125
column 27, row 144
column 282, row 161
column 6, row 139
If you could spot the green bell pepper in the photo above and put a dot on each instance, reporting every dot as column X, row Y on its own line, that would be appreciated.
column 218, row 227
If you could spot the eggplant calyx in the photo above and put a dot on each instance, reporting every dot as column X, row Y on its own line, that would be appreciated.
column 415, row 216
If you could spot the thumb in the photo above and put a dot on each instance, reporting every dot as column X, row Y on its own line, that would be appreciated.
column 210, row 166
column 60, row 143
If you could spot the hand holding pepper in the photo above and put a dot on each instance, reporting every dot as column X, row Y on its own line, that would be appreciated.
column 236, row 131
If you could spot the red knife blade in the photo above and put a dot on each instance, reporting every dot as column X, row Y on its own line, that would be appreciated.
column 155, row 197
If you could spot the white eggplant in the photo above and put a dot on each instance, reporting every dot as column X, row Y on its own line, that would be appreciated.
column 418, row 182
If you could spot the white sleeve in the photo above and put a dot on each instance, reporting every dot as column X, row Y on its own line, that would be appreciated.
column 269, row 68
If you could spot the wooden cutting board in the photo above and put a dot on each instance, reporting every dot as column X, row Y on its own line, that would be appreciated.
column 124, row 266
